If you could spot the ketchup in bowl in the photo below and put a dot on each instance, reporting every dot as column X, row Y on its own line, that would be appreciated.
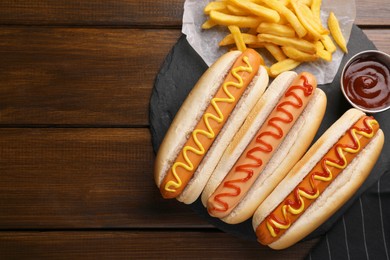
column 366, row 81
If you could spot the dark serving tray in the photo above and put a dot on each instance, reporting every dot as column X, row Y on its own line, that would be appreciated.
column 181, row 70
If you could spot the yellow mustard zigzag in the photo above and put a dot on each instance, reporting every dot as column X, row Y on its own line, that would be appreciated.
column 210, row 132
column 302, row 194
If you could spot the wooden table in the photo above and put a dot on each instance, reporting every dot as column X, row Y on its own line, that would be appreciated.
column 75, row 149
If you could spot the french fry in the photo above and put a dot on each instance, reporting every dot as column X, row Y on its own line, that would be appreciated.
column 290, row 16
column 322, row 53
column 214, row 6
column 240, row 21
column 248, row 39
column 306, row 2
column 290, row 30
column 325, row 55
column 284, row 2
column 261, row 11
column 298, row 55
column 208, row 24
column 319, row 46
column 275, row 51
column 328, row 44
column 299, row 44
column 276, row 29
column 316, row 9
column 256, row 45
column 335, row 30
column 283, row 20
column 281, row 66
column 304, row 20
column 237, row 37
column 237, row 11
column 316, row 23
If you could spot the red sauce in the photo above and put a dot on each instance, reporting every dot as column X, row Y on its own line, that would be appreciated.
column 264, row 146
column 367, row 82
column 329, row 167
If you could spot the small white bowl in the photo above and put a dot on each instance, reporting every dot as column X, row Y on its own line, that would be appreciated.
column 381, row 56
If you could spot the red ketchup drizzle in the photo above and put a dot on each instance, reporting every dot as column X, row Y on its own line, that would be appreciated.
column 263, row 146
column 296, row 202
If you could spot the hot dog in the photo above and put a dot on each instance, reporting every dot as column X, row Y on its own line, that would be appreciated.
column 321, row 182
column 206, row 122
column 272, row 139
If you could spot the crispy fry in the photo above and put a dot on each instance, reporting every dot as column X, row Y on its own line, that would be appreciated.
column 261, row 11
column 214, row 6
column 328, row 43
column 335, row 30
column 304, row 20
column 237, row 10
column 299, row 44
column 208, row 24
column 325, row 55
column 322, row 53
column 284, row 2
column 237, row 37
column 276, row 29
column 256, row 45
column 240, row 21
column 275, row 51
column 290, row 30
column 248, row 39
column 316, row 23
column 290, row 16
column 319, row 46
column 283, row 20
column 316, row 8
column 306, row 2
column 284, row 65
column 298, row 55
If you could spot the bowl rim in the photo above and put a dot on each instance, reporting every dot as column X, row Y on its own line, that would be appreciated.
column 350, row 60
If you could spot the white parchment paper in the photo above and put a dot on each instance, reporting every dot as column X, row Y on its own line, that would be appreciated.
column 205, row 42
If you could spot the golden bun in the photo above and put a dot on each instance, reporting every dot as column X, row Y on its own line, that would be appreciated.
column 295, row 144
column 190, row 113
column 335, row 195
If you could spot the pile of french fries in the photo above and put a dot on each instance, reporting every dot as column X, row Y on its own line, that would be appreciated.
column 291, row 30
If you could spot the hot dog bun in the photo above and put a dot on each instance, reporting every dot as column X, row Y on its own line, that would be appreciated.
column 255, row 119
column 294, row 145
column 192, row 111
column 334, row 196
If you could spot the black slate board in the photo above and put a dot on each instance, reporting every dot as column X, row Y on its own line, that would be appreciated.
column 181, row 70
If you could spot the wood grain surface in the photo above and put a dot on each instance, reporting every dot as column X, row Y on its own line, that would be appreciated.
column 78, row 76
column 140, row 245
column 147, row 13
column 56, row 178
column 84, row 77
column 76, row 160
